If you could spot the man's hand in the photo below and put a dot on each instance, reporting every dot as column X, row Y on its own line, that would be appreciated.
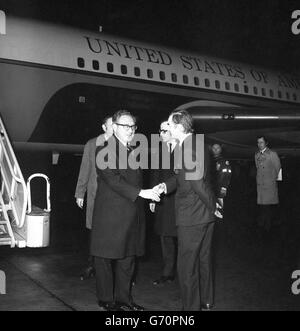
column 160, row 188
column 150, row 195
column 152, row 207
column 219, row 211
column 80, row 203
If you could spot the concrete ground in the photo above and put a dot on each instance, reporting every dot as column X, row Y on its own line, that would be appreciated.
column 252, row 271
column 258, row 278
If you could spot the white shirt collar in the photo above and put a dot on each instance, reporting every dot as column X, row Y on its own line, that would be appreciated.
column 183, row 139
column 172, row 145
column 262, row 152
column 122, row 142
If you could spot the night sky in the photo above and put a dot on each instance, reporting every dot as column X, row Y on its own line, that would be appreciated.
column 257, row 32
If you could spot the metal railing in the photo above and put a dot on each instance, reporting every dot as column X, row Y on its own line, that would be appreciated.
column 14, row 190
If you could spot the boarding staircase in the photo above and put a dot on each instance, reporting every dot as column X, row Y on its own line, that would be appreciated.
column 13, row 195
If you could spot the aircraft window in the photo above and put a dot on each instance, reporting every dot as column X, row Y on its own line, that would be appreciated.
column 236, row 87
column 80, row 62
column 196, row 81
column 295, row 97
column 137, row 71
column 150, row 73
column 217, row 84
column 110, row 67
column 246, row 89
column 207, row 83
column 255, row 90
column 96, row 65
column 287, row 95
column 185, row 79
column 271, row 93
column 123, row 69
column 279, row 94
column 263, row 92
column 227, row 86
column 162, row 75
column 174, row 78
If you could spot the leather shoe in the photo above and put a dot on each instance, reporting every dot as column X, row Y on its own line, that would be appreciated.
column 89, row 272
column 129, row 306
column 206, row 307
column 108, row 306
column 163, row 279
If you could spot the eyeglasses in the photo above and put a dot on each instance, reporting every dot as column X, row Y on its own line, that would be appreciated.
column 128, row 127
column 163, row 131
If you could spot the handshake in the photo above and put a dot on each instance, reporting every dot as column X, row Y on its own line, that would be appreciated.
column 154, row 193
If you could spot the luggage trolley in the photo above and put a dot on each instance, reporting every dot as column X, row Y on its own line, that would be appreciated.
column 37, row 219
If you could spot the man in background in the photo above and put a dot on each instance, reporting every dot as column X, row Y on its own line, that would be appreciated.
column 221, row 175
column 87, row 183
column 165, row 225
column 268, row 167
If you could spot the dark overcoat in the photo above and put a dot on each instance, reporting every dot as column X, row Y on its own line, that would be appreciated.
column 165, row 224
column 87, row 179
column 119, row 221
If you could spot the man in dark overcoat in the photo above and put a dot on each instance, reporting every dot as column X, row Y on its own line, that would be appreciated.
column 118, row 232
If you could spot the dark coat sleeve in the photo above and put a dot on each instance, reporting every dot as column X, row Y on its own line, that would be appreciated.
column 200, row 188
column 199, row 185
column 117, row 182
column 84, row 173
column 154, row 178
column 171, row 184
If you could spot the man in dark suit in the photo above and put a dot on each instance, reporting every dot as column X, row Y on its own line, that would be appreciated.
column 87, row 182
column 195, row 206
column 164, row 211
column 118, row 230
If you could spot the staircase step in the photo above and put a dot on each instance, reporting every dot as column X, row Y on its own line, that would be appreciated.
column 4, row 236
column 7, row 242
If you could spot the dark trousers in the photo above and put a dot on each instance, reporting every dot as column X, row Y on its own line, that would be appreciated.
column 114, row 278
column 267, row 214
column 91, row 262
column 195, row 265
column 168, row 246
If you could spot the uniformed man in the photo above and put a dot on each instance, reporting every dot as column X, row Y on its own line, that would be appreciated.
column 222, row 176
column 268, row 168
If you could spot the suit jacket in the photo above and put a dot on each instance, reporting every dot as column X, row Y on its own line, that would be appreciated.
column 268, row 166
column 119, row 221
column 195, row 201
column 87, row 179
column 165, row 224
